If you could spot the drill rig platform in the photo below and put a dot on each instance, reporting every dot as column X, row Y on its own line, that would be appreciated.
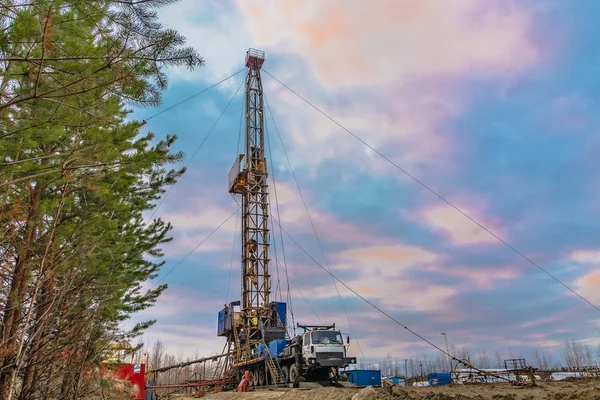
column 255, row 326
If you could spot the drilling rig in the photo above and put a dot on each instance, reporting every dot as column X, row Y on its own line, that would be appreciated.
column 255, row 326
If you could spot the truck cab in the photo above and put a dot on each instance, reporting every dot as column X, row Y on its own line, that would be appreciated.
column 323, row 349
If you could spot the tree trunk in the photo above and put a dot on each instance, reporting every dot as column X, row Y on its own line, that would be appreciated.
column 37, row 355
column 16, row 296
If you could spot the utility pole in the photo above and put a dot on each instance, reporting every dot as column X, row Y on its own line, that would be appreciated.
column 421, row 365
column 406, row 368
column 447, row 351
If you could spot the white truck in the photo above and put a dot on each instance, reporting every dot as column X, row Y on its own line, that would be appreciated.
column 315, row 355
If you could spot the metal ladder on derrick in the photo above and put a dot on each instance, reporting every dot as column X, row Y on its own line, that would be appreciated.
column 274, row 368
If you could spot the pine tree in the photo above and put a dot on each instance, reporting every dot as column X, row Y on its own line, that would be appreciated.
column 75, row 179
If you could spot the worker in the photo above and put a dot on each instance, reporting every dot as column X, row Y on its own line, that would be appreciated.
column 252, row 275
column 243, row 386
column 251, row 270
column 252, row 246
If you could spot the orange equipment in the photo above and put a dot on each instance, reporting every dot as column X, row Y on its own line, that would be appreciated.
column 243, row 386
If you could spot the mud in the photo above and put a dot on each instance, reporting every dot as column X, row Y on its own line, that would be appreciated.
column 572, row 390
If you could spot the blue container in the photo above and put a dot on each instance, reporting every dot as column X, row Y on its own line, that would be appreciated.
column 439, row 378
column 276, row 347
column 281, row 311
column 221, row 322
column 228, row 318
column 364, row 377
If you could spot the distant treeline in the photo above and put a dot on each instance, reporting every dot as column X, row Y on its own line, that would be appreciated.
column 574, row 356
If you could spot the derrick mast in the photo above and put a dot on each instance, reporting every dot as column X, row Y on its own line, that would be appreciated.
column 255, row 205
column 259, row 320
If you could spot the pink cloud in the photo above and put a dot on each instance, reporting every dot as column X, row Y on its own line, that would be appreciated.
column 386, row 260
column 459, row 229
column 347, row 41
column 551, row 319
column 192, row 226
column 396, row 51
column 207, row 217
column 196, row 211
column 588, row 286
column 344, row 44
column 392, row 263
column 585, row 256
column 482, row 278
column 534, row 341
column 409, row 126
column 422, row 297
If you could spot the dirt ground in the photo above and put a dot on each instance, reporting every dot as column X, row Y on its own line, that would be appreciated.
column 585, row 389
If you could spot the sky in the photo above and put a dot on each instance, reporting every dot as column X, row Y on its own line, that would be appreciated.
column 493, row 105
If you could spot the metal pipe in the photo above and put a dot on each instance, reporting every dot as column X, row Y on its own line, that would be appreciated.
column 186, row 363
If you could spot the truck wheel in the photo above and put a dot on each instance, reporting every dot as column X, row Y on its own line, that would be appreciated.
column 286, row 373
column 255, row 377
column 293, row 376
column 261, row 377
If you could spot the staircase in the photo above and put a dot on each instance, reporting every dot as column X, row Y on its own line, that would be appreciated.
column 274, row 368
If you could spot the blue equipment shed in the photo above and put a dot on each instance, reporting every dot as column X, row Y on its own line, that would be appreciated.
column 364, row 377
column 276, row 347
column 439, row 378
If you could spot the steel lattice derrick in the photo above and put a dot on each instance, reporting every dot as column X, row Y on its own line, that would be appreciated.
column 255, row 206
column 258, row 319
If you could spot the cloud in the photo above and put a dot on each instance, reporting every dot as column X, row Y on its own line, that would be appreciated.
column 195, row 216
column 394, row 84
column 459, row 229
column 412, row 130
column 585, row 256
column 294, row 219
column 193, row 227
column 382, row 272
column 344, row 42
column 182, row 326
column 386, row 260
column 212, row 28
column 188, row 340
column 409, row 110
column 544, row 321
column 482, row 278
column 588, row 286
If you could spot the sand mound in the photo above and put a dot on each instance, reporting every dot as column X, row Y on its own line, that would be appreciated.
column 581, row 390
column 324, row 393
